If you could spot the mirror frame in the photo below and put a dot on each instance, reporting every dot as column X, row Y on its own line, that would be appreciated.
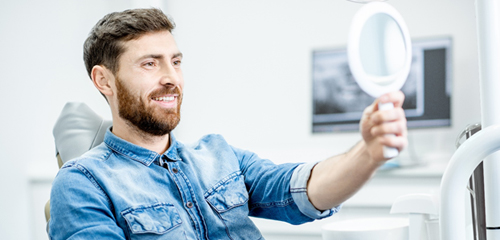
column 366, row 81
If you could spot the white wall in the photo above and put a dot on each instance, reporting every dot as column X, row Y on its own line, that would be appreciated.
column 248, row 76
column 247, row 72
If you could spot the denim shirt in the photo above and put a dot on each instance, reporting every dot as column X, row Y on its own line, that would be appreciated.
column 206, row 190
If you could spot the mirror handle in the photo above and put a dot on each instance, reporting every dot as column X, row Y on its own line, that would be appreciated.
column 389, row 152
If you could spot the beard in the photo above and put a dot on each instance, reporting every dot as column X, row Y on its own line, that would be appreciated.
column 153, row 120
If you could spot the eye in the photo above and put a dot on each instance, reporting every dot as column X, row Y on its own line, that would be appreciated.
column 149, row 63
column 176, row 63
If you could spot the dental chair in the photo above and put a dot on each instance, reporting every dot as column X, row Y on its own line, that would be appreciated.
column 77, row 130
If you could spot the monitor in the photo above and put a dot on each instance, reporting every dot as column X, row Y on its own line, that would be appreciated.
column 338, row 102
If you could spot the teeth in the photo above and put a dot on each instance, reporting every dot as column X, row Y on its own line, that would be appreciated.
column 166, row 99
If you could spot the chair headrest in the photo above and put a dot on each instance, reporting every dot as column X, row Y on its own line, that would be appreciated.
column 77, row 130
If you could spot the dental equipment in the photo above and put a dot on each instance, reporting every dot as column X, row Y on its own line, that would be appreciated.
column 482, row 145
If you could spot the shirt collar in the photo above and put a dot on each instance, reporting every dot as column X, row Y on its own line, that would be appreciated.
column 138, row 153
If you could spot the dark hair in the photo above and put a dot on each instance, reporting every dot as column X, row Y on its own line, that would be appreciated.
column 104, row 45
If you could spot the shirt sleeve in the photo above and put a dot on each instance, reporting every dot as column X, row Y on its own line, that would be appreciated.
column 298, row 188
column 79, row 209
column 275, row 193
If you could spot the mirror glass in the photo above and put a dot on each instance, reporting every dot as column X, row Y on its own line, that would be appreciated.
column 382, row 47
column 379, row 49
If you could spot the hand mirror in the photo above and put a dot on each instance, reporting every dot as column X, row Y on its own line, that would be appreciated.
column 379, row 52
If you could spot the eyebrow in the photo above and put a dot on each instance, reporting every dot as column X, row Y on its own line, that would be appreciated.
column 159, row 56
column 178, row 55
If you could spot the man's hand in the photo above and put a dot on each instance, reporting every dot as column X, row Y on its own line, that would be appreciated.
column 338, row 178
column 384, row 127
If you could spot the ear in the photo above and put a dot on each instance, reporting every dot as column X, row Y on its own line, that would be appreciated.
column 103, row 80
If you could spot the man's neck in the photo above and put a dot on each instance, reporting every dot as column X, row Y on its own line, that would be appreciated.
column 132, row 134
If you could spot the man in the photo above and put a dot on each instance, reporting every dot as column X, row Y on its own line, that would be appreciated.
column 143, row 184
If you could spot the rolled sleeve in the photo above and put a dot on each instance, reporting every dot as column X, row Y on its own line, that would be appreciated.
column 298, row 188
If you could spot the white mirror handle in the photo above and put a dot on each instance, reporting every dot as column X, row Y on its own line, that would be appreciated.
column 389, row 152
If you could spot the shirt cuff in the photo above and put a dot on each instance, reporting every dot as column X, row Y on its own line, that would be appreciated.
column 298, row 189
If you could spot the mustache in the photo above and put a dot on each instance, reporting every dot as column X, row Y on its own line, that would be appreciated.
column 165, row 91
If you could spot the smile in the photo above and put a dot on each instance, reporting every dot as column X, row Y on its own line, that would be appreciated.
column 165, row 99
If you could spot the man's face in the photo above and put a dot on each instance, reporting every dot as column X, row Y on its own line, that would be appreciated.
column 149, row 83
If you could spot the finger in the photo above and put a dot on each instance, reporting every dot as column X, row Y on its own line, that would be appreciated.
column 390, row 115
column 398, row 142
column 370, row 109
column 397, row 98
column 397, row 128
column 366, row 120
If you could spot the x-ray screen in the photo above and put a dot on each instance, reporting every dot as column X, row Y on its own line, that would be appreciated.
column 338, row 102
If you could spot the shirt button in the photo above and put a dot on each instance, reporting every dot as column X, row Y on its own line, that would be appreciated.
column 189, row 204
column 175, row 170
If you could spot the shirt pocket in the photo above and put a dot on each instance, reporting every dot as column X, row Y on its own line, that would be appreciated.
column 228, row 193
column 156, row 219
column 229, row 200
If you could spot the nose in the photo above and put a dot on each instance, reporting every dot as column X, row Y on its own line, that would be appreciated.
column 171, row 76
